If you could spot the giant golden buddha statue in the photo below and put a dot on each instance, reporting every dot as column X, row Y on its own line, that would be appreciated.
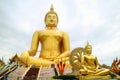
column 90, row 64
column 54, row 44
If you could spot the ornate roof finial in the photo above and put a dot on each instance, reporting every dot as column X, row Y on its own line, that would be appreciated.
column 52, row 9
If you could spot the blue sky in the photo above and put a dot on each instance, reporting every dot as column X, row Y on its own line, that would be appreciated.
column 96, row 21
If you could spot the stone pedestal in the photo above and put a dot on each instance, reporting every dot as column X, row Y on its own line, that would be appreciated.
column 17, row 73
column 46, row 73
column 88, row 77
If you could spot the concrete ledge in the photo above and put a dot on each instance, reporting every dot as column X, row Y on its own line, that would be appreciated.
column 108, row 77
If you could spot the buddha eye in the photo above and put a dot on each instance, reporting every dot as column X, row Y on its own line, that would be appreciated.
column 49, row 16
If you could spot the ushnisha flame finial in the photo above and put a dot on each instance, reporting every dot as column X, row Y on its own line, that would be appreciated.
column 51, row 9
column 88, row 43
column 88, row 46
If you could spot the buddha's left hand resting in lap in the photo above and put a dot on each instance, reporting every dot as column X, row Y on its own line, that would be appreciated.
column 54, row 44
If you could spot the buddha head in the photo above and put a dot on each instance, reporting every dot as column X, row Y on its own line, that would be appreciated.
column 88, row 49
column 51, row 18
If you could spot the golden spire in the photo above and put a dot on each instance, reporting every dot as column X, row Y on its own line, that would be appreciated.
column 88, row 46
column 51, row 9
column 87, row 43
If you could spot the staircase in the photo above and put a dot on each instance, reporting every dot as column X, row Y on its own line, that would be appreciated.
column 32, row 73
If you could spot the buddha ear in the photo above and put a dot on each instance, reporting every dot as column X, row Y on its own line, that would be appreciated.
column 45, row 19
column 46, row 23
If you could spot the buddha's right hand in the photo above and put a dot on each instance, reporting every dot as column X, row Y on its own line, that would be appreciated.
column 32, row 52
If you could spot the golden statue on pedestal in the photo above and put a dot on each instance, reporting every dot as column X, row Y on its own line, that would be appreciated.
column 86, row 64
column 90, row 64
column 54, row 44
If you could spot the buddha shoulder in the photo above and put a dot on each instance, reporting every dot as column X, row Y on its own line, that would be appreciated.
column 36, row 33
column 64, row 33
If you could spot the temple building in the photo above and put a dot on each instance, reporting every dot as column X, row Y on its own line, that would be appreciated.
column 17, row 59
column 2, row 64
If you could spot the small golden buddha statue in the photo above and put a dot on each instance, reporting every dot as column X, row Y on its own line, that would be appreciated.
column 54, row 44
column 90, row 64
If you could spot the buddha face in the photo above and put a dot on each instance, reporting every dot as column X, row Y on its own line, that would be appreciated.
column 51, row 20
column 88, row 51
